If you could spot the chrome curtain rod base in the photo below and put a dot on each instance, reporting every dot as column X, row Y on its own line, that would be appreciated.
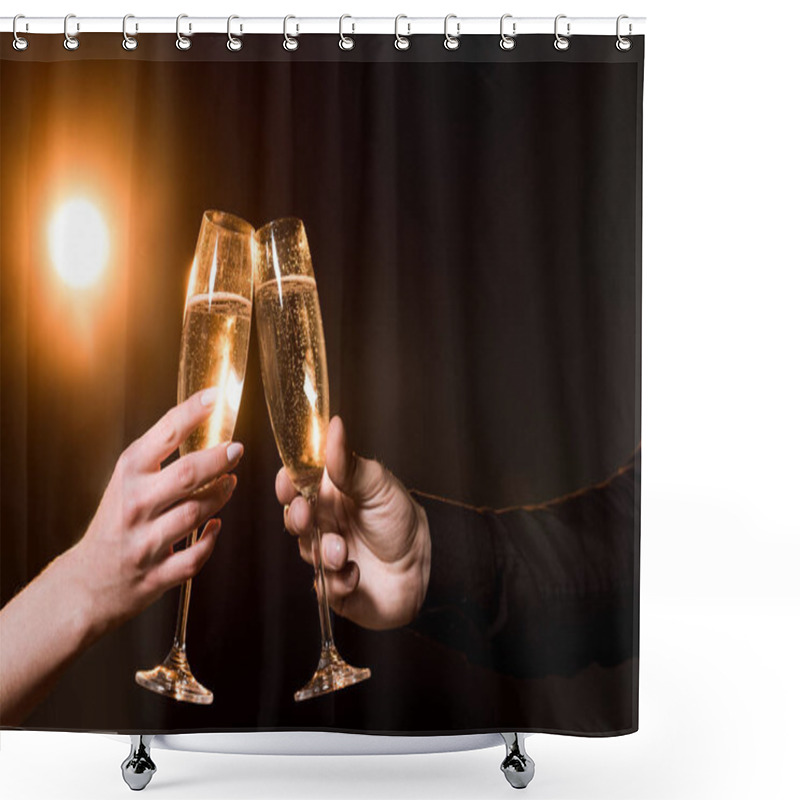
column 517, row 766
column 138, row 768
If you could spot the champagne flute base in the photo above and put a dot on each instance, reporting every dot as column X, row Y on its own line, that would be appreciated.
column 173, row 678
column 333, row 673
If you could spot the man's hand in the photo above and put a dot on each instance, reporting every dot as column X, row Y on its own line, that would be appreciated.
column 376, row 548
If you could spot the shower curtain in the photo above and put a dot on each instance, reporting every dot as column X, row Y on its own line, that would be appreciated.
column 474, row 220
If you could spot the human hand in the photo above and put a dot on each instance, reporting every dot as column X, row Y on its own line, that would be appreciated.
column 376, row 547
column 125, row 560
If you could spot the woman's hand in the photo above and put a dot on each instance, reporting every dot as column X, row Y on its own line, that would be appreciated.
column 376, row 546
column 125, row 561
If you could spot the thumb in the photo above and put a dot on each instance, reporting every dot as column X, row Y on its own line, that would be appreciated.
column 358, row 478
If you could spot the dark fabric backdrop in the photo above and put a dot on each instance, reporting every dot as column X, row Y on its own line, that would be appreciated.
column 474, row 219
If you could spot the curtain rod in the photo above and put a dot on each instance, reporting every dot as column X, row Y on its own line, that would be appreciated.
column 574, row 26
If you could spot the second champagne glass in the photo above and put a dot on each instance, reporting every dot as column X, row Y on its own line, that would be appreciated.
column 295, row 376
column 216, row 333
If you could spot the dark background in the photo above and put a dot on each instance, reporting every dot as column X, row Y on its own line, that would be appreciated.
column 475, row 228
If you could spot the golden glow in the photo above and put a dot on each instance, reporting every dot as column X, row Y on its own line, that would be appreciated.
column 231, row 386
column 78, row 242
column 308, row 386
column 233, row 383
column 233, row 391
column 311, row 395
column 212, row 278
column 276, row 264
column 190, row 290
column 316, row 438
column 217, row 420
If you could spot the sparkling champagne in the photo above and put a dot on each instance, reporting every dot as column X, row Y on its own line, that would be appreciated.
column 216, row 331
column 295, row 374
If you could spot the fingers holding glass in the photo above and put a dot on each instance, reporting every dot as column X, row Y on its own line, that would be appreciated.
column 284, row 488
column 341, row 575
column 185, row 564
column 173, row 429
column 334, row 550
column 179, row 521
column 341, row 585
column 298, row 517
column 191, row 473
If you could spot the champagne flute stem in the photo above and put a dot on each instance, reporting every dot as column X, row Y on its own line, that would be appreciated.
column 322, row 591
column 179, row 642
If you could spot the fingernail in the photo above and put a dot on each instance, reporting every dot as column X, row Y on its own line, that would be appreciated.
column 209, row 396
column 230, row 483
column 234, row 451
column 333, row 551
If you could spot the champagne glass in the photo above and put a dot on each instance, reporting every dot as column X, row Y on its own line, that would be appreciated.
column 295, row 376
column 216, row 332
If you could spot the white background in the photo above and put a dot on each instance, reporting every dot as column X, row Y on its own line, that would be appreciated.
column 720, row 696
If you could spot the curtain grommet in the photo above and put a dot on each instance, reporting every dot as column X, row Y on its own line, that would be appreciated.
column 623, row 43
column 561, row 43
column 507, row 42
column 20, row 43
column 290, row 43
column 452, row 42
column 71, row 42
column 182, row 42
column 346, row 42
column 401, row 42
column 129, row 42
column 234, row 43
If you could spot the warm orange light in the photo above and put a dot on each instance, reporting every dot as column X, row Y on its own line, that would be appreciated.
column 78, row 242
column 316, row 438
column 231, row 385
column 311, row 395
column 218, row 417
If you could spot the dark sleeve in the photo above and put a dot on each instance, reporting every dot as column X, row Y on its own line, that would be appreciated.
column 537, row 590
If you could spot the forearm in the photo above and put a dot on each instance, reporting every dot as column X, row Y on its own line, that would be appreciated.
column 460, row 602
column 41, row 630
column 576, row 546
column 534, row 590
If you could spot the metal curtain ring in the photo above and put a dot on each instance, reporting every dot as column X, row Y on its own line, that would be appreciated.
column 289, row 42
column 128, row 42
column 19, row 42
column 70, row 42
column 401, row 42
column 346, row 42
column 234, row 42
column 623, row 43
column 561, row 42
column 451, row 42
column 182, row 42
column 507, row 42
